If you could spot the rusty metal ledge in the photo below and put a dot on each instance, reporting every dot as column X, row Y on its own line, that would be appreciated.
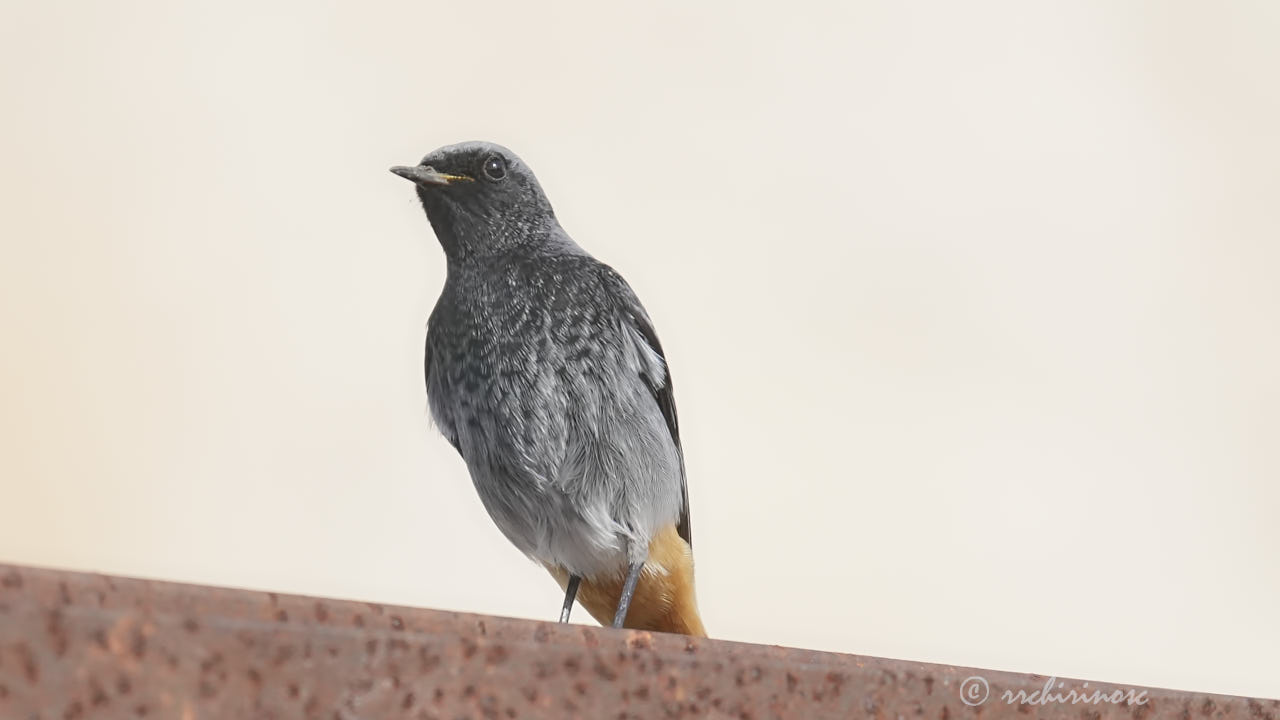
column 75, row 645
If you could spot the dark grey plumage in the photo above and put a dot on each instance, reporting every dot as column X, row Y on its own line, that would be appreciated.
column 545, row 373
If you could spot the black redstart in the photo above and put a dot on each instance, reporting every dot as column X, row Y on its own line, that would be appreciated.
column 545, row 373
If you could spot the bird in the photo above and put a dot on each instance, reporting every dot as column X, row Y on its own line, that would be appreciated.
column 544, row 371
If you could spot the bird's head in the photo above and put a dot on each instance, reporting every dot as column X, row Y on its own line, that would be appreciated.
column 480, row 198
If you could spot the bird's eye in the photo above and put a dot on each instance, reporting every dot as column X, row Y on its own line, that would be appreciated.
column 494, row 168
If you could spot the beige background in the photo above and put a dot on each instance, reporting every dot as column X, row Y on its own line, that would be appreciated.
column 972, row 307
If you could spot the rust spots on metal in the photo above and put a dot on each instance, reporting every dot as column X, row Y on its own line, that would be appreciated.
column 86, row 646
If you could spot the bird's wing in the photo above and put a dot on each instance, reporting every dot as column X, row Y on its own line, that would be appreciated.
column 660, row 387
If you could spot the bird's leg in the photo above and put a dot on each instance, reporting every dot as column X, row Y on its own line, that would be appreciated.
column 628, row 589
column 570, row 592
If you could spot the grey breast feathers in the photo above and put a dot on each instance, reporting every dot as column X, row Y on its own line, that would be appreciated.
column 542, row 375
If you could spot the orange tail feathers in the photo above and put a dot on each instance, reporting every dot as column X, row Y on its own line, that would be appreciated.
column 664, row 600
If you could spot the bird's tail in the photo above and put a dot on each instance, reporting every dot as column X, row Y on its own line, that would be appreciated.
column 664, row 599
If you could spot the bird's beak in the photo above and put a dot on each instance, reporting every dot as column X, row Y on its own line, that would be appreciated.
column 426, row 176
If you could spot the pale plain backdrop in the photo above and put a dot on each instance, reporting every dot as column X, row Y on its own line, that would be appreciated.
column 972, row 308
